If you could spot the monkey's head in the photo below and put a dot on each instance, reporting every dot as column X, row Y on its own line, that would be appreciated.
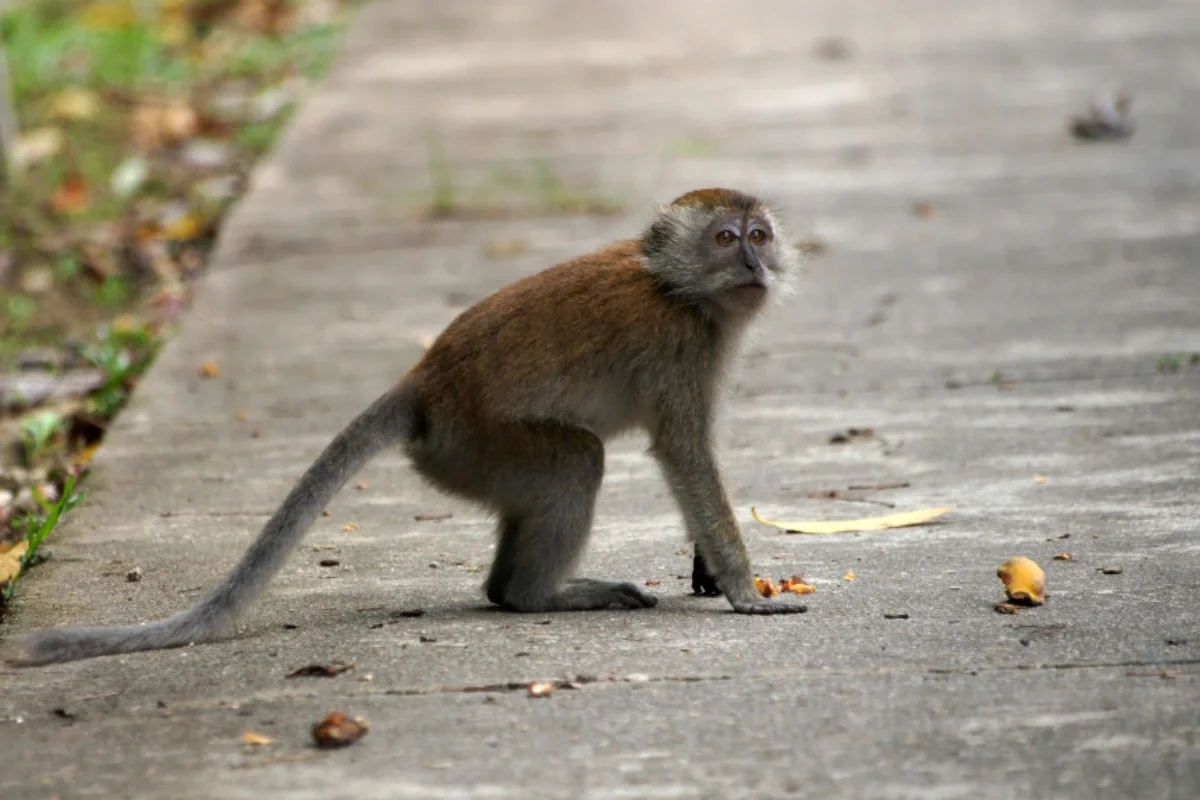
column 719, row 247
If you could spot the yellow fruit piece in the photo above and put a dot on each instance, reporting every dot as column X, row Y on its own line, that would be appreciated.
column 765, row 587
column 1024, row 581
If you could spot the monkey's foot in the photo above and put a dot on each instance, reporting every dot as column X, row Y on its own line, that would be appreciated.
column 703, row 583
column 588, row 594
column 767, row 607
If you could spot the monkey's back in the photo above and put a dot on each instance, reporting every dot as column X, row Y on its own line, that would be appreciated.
column 585, row 343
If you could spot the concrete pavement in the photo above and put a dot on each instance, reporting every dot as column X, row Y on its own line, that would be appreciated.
column 1025, row 323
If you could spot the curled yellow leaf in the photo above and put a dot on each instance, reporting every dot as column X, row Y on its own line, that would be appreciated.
column 903, row 519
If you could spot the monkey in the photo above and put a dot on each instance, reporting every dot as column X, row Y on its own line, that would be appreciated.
column 704, row 584
column 510, row 408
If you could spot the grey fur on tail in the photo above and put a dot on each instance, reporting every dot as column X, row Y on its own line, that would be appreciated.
column 387, row 421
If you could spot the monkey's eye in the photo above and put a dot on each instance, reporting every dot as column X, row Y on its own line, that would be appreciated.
column 725, row 238
column 758, row 236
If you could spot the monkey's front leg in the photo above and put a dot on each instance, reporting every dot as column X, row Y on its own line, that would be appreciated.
column 691, row 471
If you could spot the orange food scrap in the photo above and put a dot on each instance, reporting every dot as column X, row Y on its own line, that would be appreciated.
column 210, row 369
column 796, row 585
column 849, row 576
column 765, row 587
column 541, row 688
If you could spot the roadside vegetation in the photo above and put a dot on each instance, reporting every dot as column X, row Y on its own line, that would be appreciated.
column 129, row 129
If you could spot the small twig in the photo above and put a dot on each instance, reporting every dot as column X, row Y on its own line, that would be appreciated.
column 878, row 487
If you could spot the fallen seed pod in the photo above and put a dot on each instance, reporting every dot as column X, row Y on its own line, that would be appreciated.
column 1024, row 581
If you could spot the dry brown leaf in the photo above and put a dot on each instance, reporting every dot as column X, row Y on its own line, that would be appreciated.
column 71, row 197
column 256, row 739
column 653, row 581
column 899, row 520
column 1024, row 581
column 338, row 730
column 1064, row 557
column 10, row 560
column 542, row 688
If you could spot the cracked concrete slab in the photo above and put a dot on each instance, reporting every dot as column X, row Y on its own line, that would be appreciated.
column 1025, row 328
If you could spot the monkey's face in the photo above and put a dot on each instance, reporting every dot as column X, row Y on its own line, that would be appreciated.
column 740, row 259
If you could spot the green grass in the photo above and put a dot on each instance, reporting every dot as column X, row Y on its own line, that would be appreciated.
column 37, row 527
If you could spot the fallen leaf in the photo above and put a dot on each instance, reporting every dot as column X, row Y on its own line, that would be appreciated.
column 542, row 688
column 1024, row 581
column 1064, row 557
column 73, row 103
column 71, row 197
column 653, row 581
column 210, row 369
column 1006, row 608
column 320, row 671
column 923, row 209
column 85, row 456
column 109, row 15
column 902, row 519
column 10, row 560
column 350, row 527
column 851, row 434
column 255, row 739
column 1039, row 478
column 849, row 576
column 38, row 145
column 129, row 176
column 338, row 730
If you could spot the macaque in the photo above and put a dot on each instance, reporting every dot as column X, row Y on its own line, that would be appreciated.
column 510, row 407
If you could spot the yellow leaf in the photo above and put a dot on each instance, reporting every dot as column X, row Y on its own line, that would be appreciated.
column 74, row 103
column 10, row 561
column 107, row 16
column 901, row 520
column 85, row 456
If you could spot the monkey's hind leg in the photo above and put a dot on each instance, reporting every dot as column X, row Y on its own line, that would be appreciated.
column 548, row 487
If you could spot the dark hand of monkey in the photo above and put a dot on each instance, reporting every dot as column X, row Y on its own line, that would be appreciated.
column 703, row 583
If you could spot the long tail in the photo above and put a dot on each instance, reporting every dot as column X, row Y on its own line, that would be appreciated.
column 388, row 420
